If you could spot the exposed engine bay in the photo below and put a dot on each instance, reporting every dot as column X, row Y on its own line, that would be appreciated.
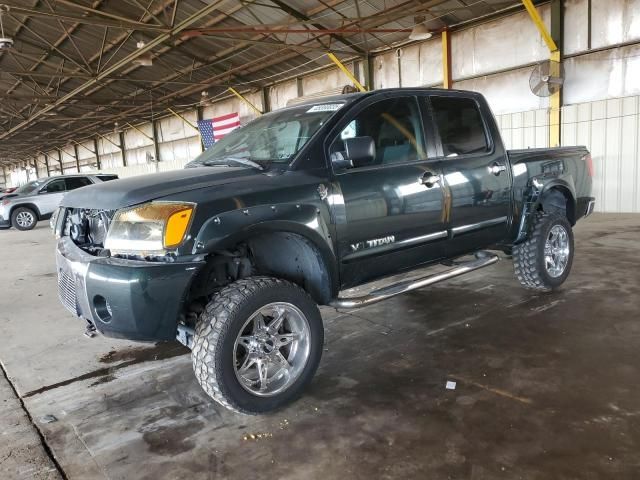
column 88, row 228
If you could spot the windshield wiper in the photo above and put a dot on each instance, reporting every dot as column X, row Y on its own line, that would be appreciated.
column 233, row 160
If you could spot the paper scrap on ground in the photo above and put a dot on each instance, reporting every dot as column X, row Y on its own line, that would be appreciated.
column 451, row 385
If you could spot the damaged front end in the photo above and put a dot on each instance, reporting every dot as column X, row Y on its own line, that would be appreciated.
column 121, row 297
column 87, row 228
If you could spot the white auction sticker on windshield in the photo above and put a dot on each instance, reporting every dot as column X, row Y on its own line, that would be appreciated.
column 327, row 107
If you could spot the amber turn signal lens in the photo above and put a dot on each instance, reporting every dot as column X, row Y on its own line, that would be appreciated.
column 176, row 228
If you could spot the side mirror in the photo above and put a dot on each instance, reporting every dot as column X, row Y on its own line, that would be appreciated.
column 360, row 150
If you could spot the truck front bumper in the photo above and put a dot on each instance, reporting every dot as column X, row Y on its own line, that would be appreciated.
column 130, row 299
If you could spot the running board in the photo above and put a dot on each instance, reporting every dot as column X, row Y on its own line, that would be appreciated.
column 483, row 259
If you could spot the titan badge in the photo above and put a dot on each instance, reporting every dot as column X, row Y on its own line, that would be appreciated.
column 376, row 242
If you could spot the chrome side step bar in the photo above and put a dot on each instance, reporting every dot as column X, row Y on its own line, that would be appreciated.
column 483, row 259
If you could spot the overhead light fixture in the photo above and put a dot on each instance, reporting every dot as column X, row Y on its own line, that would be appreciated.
column 144, row 60
column 5, row 42
column 420, row 31
column 204, row 98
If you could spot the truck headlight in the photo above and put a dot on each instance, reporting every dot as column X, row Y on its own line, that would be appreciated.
column 151, row 228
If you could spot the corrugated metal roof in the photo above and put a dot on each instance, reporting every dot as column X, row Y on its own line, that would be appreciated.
column 66, row 45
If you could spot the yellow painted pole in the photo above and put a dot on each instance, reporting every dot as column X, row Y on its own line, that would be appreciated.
column 537, row 20
column 554, row 103
column 555, row 57
column 184, row 120
column 446, row 59
column 346, row 71
column 245, row 100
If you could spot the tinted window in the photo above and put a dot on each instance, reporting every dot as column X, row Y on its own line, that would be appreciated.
column 106, row 178
column 460, row 125
column 55, row 186
column 395, row 127
column 77, row 182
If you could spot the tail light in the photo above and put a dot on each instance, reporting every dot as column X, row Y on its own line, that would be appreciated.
column 589, row 161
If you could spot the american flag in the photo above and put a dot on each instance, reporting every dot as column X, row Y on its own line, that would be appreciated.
column 215, row 128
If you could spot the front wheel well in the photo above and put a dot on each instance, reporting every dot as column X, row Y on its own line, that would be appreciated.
column 286, row 255
column 30, row 206
column 295, row 258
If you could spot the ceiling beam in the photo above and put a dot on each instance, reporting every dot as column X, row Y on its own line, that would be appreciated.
column 120, row 64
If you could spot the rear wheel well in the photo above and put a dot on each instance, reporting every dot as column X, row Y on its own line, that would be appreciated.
column 558, row 200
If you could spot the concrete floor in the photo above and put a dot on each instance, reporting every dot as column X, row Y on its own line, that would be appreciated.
column 547, row 385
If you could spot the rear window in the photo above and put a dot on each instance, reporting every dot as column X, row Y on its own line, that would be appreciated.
column 77, row 182
column 106, row 178
column 460, row 126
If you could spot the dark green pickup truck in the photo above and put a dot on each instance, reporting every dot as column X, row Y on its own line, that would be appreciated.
column 233, row 254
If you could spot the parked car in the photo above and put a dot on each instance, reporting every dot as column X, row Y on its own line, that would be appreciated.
column 39, row 199
column 233, row 254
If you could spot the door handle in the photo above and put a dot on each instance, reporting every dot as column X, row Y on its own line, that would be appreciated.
column 429, row 179
column 496, row 168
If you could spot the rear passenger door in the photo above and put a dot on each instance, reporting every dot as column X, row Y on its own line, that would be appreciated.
column 50, row 195
column 477, row 179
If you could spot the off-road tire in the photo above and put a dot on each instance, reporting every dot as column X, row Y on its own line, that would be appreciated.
column 27, row 211
column 529, row 257
column 215, row 335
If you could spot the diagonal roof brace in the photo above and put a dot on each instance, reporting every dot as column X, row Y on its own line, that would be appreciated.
column 118, row 65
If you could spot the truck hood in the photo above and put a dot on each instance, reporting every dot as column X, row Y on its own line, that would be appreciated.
column 131, row 191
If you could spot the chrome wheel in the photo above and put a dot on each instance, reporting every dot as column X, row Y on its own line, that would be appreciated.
column 557, row 251
column 272, row 349
column 25, row 219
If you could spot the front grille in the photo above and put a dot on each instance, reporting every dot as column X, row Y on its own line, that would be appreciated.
column 67, row 291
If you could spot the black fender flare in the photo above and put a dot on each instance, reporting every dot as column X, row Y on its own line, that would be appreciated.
column 540, row 187
column 227, row 229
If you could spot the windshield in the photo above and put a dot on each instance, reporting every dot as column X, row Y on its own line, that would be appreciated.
column 272, row 138
column 29, row 187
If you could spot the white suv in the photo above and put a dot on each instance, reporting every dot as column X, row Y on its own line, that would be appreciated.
column 39, row 199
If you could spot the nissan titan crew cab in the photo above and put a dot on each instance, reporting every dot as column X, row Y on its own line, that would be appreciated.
column 233, row 254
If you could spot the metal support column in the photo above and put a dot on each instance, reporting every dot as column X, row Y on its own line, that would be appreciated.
column 200, row 116
column 554, row 44
column 123, row 148
column 95, row 148
column 299, row 86
column 75, row 151
column 367, row 63
column 46, row 164
column 266, row 100
column 60, row 162
column 446, row 59
column 156, row 147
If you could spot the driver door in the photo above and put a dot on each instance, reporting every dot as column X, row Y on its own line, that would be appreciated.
column 388, row 209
